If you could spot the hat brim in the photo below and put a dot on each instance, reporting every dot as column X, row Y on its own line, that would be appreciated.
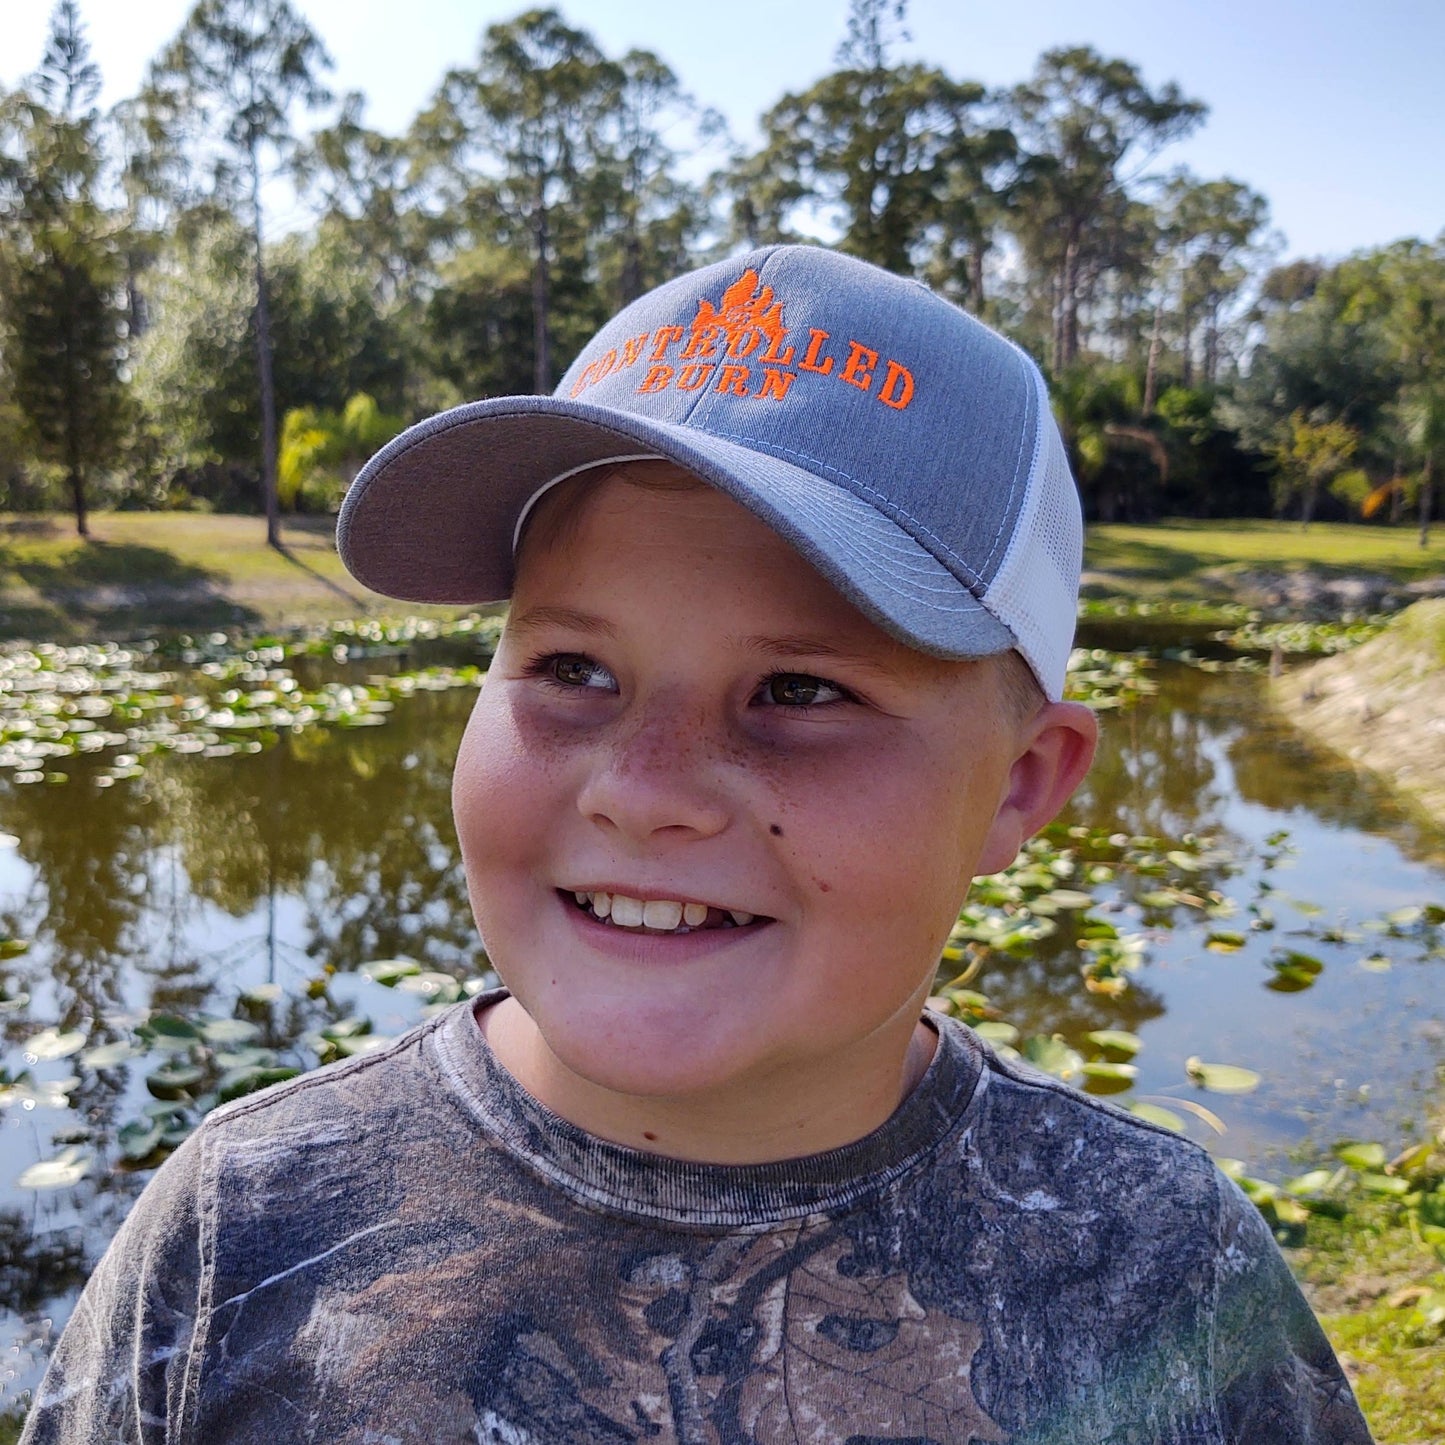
column 432, row 516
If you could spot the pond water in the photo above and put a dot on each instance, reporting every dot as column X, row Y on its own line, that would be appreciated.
column 1269, row 911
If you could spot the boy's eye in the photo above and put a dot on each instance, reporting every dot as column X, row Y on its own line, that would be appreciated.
column 571, row 669
column 798, row 689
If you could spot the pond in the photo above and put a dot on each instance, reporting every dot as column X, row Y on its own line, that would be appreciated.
column 250, row 868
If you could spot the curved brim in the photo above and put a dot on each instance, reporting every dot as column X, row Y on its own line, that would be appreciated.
column 431, row 518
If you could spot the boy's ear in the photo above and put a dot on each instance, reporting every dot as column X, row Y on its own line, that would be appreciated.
column 1056, row 747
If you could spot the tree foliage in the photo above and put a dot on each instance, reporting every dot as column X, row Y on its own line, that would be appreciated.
column 60, row 312
column 547, row 182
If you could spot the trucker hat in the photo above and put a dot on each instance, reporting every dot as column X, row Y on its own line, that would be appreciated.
column 903, row 448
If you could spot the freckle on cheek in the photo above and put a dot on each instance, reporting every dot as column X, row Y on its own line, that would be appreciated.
column 822, row 886
column 776, row 830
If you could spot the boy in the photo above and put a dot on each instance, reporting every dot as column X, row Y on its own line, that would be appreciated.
column 792, row 558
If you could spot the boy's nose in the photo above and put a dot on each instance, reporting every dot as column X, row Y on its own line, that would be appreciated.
column 657, row 772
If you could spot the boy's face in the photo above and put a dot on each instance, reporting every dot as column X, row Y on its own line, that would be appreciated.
column 681, row 711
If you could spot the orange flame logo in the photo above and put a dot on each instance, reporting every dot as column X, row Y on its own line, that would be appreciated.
column 747, row 317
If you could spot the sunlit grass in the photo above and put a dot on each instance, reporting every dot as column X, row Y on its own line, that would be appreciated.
column 1158, row 558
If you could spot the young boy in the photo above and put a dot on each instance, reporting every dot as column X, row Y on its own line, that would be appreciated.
column 792, row 558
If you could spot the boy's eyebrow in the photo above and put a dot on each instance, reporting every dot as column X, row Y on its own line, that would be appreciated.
column 802, row 645
column 567, row 617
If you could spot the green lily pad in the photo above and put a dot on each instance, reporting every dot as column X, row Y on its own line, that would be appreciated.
column 1155, row 1114
column 1224, row 941
column 996, row 1031
column 139, row 1138
column 1222, row 1078
column 1053, row 1056
column 1361, row 1156
column 1102, row 1076
column 389, row 971
column 1116, row 1041
column 174, row 1081
column 1384, row 1184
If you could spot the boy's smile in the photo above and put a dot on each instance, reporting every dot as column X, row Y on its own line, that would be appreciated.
column 717, row 825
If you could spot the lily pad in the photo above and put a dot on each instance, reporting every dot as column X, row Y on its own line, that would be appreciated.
column 52, row 1044
column 174, row 1081
column 996, row 1031
column 1224, row 941
column 1053, row 1056
column 109, row 1056
column 1116, row 1042
column 1361, row 1156
column 229, row 1031
column 389, row 971
column 1155, row 1114
column 68, row 1167
column 1222, row 1078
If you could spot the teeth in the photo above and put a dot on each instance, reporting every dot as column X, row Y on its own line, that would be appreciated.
column 661, row 913
column 664, row 915
column 627, row 911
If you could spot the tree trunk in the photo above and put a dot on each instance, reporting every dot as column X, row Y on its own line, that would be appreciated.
column 1069, row 304
column 541, row 302
column 73, row 403
column 1186, row 347
column 1427, row 498
column 1151, row 370
column 1211, row 343
column 975, row 278
column 264, row 372
column 77, row 498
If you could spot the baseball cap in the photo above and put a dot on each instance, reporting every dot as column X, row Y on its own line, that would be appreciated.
column 902, row 447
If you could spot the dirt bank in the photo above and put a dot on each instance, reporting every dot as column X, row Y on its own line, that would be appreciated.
column 1382, row 705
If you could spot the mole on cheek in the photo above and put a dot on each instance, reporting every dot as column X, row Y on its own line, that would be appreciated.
column 776, row 830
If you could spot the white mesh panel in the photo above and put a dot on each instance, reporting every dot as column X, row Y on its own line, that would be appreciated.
column 1035, row 591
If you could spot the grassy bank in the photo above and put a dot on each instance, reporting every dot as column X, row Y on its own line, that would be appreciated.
column 144, row 571
column 1365, row 1275
column 1187, row 560
column 149, row 570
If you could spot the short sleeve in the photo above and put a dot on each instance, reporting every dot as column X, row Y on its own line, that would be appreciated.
column 118, row 1373
column 1277, row 1381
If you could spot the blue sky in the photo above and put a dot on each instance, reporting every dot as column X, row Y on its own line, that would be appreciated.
column 1333, row 109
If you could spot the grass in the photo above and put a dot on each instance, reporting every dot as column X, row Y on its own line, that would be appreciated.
column 145, row 571
column 1167, row 560
column 1359, row 1272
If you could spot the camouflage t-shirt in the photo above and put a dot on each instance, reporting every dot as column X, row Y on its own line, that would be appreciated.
column 409, row 1248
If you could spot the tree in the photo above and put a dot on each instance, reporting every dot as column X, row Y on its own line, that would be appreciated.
column 531, row 108
column 1312, row 452
column 649, row 216
column 1412, row 280
column 892, row 154
column 59, row 278
column 227, row 84
column 1083, row 121
column 1211, row 230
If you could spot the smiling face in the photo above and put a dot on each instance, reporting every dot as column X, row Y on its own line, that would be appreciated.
column 717, row 824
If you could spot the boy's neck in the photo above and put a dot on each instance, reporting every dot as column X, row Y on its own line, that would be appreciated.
column 808, row 1111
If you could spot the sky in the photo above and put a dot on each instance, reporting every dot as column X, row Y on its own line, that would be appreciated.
column 1333, row 109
